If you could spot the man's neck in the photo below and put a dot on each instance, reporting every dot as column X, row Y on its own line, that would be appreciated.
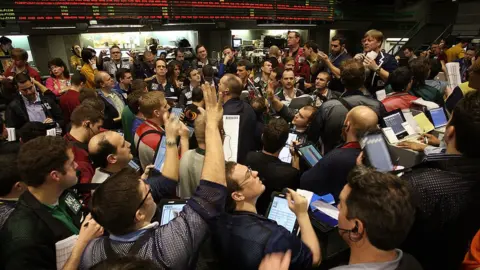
column 74, row 88
column 157, row 121
column 370, row 254
column 79, row 133
column 161, row 79
column 194, row 84
column 47, row 194
column 313, row 57
column 351, row 138
column 265, row 77
column 106, row 91
column 290, row 90
column 377, row 50
column 300, row 129
column 276, row 154
column 244, row 81
column 322, row 91
column 20, row 69
column 246, row 207
column 123, row 86
column 204, row 60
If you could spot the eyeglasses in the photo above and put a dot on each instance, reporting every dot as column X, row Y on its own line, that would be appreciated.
column 248, row 174
column 144, row 199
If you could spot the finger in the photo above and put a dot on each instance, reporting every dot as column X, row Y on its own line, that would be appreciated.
column 360, row 159
column 165, row 118
column 286, row 260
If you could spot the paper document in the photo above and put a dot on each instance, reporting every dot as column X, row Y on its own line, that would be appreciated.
column 11, row 134
column 305, row 193
column 63, row 250
column 408, row 128
column 453, row 74
column 285, row 155
column 391, row 137
column 423, row 122
column 409, row 118
column 327, row 209
column 52, row 132
column 231, row 126
column 381, row 94
column 430, row 105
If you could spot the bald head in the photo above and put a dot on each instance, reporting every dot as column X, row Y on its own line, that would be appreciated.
column 360, row 120
column 93, row 144
column 109, row 148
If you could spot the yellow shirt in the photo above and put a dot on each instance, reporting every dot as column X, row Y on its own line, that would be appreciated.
column 89, row 73
column 454, row 53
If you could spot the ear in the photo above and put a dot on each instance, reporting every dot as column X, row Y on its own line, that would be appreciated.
column 55, row 175
column 86, row 123
column 140, row 215
column 112, row 159
column 19, row 186
column 358, row 231
column 237, row 196
column 450, row 134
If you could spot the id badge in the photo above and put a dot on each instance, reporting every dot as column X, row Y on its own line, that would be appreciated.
column 154, row 86
column 72, row 203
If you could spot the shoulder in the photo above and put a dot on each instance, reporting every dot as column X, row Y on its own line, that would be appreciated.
column 23, row 225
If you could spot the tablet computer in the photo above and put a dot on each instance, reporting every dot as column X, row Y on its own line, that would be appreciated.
column 279, row 212
column 376, row 151
column 170, row 209
column 394, row 120
column 310, row 154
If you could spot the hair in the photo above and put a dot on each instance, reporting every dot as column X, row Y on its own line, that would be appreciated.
column 420, row 69
column 329, row 78
column 273, row 61
column 138, row 85
column 275, row 135
column 382, row 202
column 35, row 166
column 94, row 102
column 125, row 263
column 197, row 94
column 287, row 70
column 115, row 47
column 85, row 112
column 104, row 148
column 234, row 84
column 77, row 79
column 121, row 73
column 408, row 48
column 207, row 71
column 288, row 59
column 312, row 45
column 198, row 47
column 297, row 35
column 245, row 63
column 466, row 120
column 258, row 105
column 32, row 130
column 279, row 73
column 177, row 50
column 147, row 53
column 275, row 50
column 4, row 40
column 133, row 101
column 159, row 59
column 19, row 54
column 9, row 174
column 115, row 202
column 150, row 102
column 352, row 74
column 21, row 78
column 374, row 34
column 399, row 79
column 341, row 39
column 435, row 68
column 87, row 93
column 88, row 54
column 98, row 78
column 171, row 72
column 232, row 186
column 199, row 127
column 59, row 63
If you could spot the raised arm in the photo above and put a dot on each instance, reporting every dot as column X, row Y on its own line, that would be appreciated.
column 326, row 60
column 171, row 163
column 214, row 164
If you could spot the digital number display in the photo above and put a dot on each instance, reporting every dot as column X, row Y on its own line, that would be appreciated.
column 298, row 10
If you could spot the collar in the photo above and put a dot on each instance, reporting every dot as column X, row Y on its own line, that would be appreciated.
column 200, row 151
column 133, row 236
column 37, row 100
column 153, row 125
column 351, row 145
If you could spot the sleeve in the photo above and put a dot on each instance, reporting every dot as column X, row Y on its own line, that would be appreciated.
column 282, row 240
column 314, row 178
column 221, row 69
column 161, row 186
column 189, row 229
column 86, row 172
column 287, row 114
column 183, row 99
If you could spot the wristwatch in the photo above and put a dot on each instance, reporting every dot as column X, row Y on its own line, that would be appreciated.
column 171, row 143
column 378, row 70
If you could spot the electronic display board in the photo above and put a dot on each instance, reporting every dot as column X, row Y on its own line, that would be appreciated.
column 289, row 10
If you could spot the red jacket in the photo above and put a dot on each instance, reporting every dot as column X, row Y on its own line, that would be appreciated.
column 10, row 71
column 398, row 101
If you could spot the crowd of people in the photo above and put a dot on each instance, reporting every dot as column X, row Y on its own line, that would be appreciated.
column 80, row 151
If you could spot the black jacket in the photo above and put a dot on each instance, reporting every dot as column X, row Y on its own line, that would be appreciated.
column 248, row 123
column 110, row 113
column 16, row 114
column 29, row 235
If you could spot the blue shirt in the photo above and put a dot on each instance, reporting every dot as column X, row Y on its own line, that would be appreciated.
column 136, row 122
column 242, row 239
column 35, row 109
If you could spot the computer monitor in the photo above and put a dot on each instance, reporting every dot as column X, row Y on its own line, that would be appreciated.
column 237, row 42
column 395, row 120
column 439, row 118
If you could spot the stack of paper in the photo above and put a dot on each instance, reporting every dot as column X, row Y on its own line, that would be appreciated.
column 430, row 105
column 63, row 250
column 326, row 208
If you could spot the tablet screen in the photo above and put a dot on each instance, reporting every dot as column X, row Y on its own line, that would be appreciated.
column 177, row 112
column 170, row 211
column 160, row 155
column 395, row 122
column 377, row 152
column 438, row 117
column 280, row 213
column 311, row 154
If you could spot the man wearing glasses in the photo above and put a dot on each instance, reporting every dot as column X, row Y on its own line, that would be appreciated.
column 125, row 205
column 115, row 63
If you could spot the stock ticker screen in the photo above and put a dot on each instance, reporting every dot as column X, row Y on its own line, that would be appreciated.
column 287, row 10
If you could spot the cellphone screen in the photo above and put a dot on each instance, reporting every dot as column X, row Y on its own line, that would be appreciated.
column 280, row 213
column 310, row 154
column 170, row 211
column 377, row 152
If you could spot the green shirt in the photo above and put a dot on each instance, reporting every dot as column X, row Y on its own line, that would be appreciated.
column 60, row 212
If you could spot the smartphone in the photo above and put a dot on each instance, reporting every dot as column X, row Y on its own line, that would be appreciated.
column 279, row 212
column 177, row 112
column 170, row 210
column 376, row 150
column 160, row 154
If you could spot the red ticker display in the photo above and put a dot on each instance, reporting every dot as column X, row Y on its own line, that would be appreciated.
column 290, row 10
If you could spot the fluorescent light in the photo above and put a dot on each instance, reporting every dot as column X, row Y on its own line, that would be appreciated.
column 285, row 25
column 185, row 24
column 52, row 27
column 117, row 26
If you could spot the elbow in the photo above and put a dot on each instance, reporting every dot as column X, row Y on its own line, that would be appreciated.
column 316, row 257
